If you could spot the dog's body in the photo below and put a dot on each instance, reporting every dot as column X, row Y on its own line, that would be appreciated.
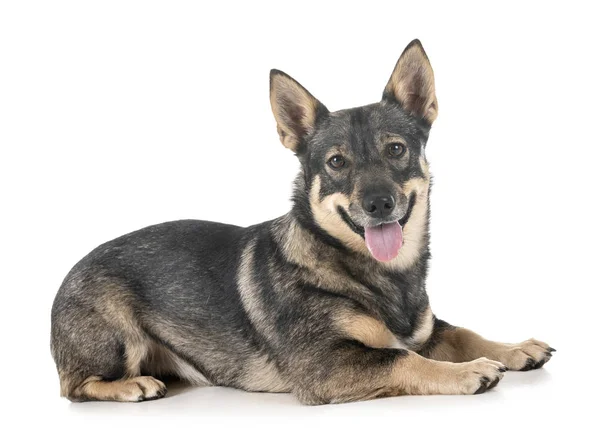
column 327, row 302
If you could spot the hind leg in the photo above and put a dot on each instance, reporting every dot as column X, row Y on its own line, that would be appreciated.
column 98, row 344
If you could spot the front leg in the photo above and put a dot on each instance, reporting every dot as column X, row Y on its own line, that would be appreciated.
column 347, row 370
column 351, row 356
column 450, row 343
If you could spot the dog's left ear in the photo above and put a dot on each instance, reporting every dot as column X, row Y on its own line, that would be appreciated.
column 295, row 109
column 412, row 84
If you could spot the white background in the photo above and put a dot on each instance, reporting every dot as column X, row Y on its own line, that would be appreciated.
column 115, row 115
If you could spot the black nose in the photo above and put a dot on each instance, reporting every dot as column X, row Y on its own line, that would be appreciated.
column 378, row 205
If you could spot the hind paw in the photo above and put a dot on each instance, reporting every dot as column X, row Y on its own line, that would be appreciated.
column 127, row 390
column 146, row 388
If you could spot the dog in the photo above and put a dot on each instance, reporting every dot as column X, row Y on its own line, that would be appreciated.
column 327, row 302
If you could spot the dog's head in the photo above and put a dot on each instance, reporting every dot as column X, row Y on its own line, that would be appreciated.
column 364, row 168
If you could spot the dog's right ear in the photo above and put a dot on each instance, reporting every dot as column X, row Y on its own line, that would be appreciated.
column 295, row 109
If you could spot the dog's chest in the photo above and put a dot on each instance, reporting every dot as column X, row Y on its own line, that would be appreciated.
column 395, row 308
column 373, row 332
column 401, row 302
column 421, row 329
column 400, row 306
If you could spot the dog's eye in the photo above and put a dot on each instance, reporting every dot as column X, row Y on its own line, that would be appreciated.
column 336, row 162
column 396, row 149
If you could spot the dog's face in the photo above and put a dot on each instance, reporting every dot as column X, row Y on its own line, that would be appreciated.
column 364, row 168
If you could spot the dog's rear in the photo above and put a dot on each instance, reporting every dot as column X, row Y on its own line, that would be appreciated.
column 160, row 301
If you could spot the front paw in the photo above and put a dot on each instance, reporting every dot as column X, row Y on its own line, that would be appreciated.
column 478, row 376
column 473, row 377
column 527, row 355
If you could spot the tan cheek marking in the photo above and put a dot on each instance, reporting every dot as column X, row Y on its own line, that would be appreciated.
column 414, row 230
column 367, row 330
column 424, row 167
column 327, row 217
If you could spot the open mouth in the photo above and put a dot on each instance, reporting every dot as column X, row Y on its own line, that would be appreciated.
column 384, row 240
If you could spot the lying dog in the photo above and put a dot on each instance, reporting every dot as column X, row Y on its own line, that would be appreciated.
column 327, row 302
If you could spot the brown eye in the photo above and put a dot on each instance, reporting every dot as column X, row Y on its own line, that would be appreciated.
column 396, row 149
column 336, row 162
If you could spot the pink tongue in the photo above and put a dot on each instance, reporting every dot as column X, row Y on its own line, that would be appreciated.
column 384, row 241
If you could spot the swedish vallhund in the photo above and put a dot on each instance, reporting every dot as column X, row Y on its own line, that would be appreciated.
column 327, row 302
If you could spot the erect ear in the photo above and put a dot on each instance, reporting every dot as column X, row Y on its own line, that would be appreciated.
column 411, row 83
column 296, row 110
